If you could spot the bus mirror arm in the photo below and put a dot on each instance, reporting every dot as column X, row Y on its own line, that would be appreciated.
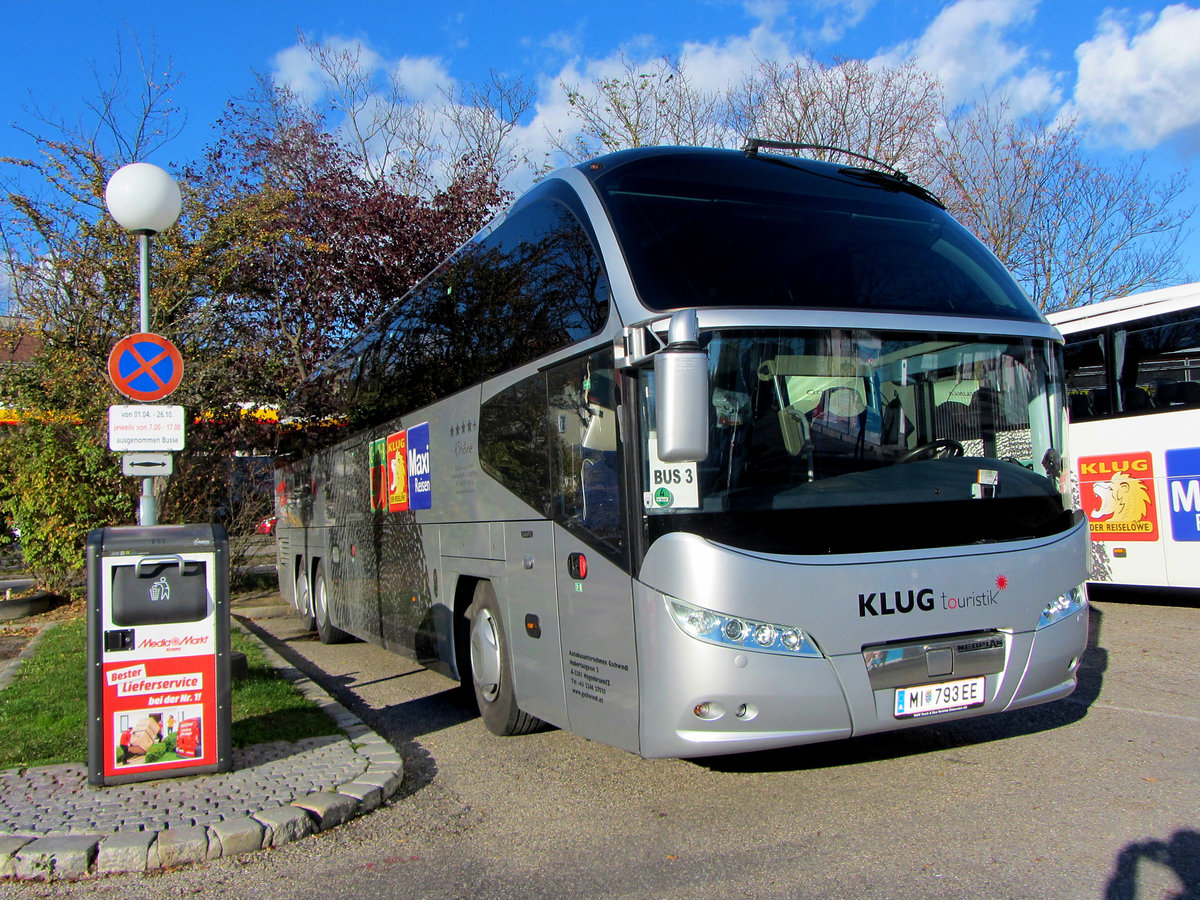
column 681, row 383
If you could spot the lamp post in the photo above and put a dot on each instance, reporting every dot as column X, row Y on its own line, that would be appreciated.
column 143, row 199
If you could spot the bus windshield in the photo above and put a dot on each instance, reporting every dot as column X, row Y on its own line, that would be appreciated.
column 842, row 441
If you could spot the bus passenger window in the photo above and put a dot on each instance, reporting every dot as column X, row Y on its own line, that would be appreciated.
column 513, row 445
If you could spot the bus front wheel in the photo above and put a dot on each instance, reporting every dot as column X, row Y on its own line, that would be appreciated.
column 491, row 668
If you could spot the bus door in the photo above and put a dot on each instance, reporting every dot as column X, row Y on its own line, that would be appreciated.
column 595, row 596
column 532, row 619
column 599, row 658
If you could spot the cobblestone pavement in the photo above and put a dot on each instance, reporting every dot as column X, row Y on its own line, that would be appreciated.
column 53, row 824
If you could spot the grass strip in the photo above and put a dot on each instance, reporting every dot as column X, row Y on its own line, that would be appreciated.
column 43, row 711
column 268, row 707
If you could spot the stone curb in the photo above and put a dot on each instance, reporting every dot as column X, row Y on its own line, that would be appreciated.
column 75, row 856
column 20, row 607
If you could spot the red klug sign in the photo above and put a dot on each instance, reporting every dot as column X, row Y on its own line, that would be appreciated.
column 1117, row 493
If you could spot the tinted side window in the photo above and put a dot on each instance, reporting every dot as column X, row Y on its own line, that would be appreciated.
column 532, row 286
column 1137, row 369
column 1087, row 381
column 514, row 443
column 1157, row 364
column 552, row 439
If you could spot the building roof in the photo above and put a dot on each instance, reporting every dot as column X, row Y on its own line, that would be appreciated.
column 17, row 344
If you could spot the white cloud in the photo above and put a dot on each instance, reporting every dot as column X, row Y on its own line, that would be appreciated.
column 1141, row 89
column 424, row 78
column 840, row 16
column 719, row 64
column 968, row 49
column 296, row 69
column 564, row 43
column 711, row 66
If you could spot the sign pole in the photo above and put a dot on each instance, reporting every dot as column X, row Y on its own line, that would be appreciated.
column 144, row 279
column 147, row 507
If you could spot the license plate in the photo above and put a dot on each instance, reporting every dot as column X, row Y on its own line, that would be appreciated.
column 935, row 698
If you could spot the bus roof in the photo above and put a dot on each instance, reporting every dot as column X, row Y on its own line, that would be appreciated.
column 708, row 228
column 1126, row 309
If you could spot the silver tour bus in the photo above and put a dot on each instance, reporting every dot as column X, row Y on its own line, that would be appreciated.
column 697, row 452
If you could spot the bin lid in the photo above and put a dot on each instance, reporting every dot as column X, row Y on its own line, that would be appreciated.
column 128, row 540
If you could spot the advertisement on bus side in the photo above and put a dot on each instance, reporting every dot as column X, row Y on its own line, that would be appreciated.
column 1117, row 492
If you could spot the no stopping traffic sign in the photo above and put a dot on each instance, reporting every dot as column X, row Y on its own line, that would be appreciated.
column 145, row 367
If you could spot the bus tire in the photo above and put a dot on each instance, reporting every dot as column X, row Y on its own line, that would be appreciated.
column 326, row 630
column 304, row 604
column 491, row 668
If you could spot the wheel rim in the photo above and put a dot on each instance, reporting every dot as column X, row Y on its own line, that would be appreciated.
column 319, row 601
column 303, row 598
column 485, row 655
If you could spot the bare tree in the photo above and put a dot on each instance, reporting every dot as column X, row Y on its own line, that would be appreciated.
column 391, row 137
column 646, row 105
column 480, row 121
column 889, row 114
column 416, row 146
column 1071, row 230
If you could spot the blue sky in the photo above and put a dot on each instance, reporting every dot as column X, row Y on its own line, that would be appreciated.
column 1129, row 71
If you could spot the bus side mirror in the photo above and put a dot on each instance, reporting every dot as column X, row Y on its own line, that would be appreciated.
column 681, row 384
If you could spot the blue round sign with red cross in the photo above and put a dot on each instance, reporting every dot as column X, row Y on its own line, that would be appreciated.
column 145, row 367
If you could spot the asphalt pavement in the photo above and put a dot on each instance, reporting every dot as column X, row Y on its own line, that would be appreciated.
column 1093, row 796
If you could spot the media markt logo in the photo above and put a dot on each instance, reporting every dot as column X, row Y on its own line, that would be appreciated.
column 160, row 590
column 662, row 497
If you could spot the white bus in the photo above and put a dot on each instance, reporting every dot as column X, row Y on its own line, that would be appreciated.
column 696, row 452
column 1133, row 377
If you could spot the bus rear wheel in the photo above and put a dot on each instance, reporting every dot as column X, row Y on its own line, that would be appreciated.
column 326, row 630
column 491, row 668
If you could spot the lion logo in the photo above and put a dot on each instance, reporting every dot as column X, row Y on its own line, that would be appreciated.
column 1123, row 499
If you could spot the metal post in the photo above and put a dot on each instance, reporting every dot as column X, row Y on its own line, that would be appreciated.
column 144, row 279
column 147, row 509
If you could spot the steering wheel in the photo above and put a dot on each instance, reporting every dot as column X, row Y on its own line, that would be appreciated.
column 942, row 448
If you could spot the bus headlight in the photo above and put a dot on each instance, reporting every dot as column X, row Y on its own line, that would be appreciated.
column 1065, row 605
column 739, row 632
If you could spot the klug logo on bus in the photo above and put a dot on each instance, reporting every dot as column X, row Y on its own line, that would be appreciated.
column 401, row 468
column 890, row 603
column 1117, row 493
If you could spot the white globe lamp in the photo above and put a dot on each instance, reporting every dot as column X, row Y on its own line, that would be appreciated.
column 143, row 198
